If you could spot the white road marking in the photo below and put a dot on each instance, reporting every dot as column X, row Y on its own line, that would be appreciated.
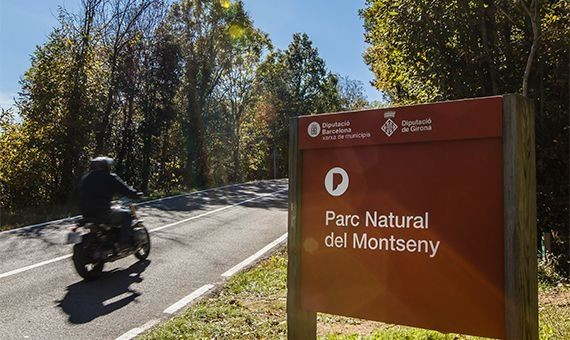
column 33, row 226
column 202, row 290
column 138, row 330
column 213, row 211
column 20, row 270
column 254, row 257
column 186, row 300
column 191, row 193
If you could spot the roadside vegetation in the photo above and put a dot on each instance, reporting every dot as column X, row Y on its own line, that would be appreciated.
column 183, row 94
column 188, row 94
column 251, row 305
column 12, row 219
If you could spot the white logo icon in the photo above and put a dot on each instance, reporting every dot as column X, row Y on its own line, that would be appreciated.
column 314, row 129
column 336, row 181
column 389, row 127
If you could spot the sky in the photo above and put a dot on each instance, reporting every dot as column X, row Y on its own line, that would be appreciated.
column 333, row 25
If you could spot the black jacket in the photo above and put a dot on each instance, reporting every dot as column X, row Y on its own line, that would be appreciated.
column 97, row 189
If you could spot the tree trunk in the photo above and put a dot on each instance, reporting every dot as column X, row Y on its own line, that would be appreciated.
column 486, row 24
column 532, row 11
column 528, row 67
column 236, row 172
column 75, row 133
column 147, row 149
column 195, row 163
column 103, row 128
column 126, row 143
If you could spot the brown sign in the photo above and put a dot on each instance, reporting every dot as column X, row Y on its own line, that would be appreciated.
column 402, row 215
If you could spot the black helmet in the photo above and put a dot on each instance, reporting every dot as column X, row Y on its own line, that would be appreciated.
column 101, row 163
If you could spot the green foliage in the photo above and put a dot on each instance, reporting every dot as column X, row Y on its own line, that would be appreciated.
column 251, row 307
column 351, row 94
column 548, row 275
column 296, row 83
column 232, row 112
column 554, row 311
column 424, row 51
column 25, row 170
column 182, row 95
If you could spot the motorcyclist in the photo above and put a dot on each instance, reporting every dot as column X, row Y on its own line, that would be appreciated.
column 96, row 191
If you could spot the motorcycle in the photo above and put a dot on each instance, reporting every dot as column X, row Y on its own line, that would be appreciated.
column 94, row 244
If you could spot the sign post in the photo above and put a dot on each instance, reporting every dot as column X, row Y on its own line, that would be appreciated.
column 301, row 324
column 420, row 215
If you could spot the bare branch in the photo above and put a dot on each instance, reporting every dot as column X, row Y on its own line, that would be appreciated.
column 509, row 18
column 532, row 11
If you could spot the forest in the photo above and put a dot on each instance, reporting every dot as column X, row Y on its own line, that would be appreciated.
column 425, row 51
column 182, row 95
column 190, row 94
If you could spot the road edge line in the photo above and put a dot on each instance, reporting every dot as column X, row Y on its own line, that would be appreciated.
column 40, row 264
column 188, row 299
column 185, row 301
column 214, row 211
column 245, row 263
column 138, row 330
column 42, row 224
column 30, row 267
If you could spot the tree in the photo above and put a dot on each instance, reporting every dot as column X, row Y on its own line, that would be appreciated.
column 352, row 94
column 296, row 82
column 121, row 22
column 181, row 95
column 205, row 29
column 422, row 51
column 55, row 100
column 161, row 74
column 239, row 88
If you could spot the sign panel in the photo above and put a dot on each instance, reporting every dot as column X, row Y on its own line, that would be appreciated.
column 402, row 215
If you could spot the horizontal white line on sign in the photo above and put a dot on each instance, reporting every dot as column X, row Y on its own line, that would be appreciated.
column 254, row 257
column 186, row 300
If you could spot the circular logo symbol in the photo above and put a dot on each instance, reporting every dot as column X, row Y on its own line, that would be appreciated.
column 336, row 181
column 314, row 129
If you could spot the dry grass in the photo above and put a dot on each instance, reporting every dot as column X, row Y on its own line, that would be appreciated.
column 252, row 306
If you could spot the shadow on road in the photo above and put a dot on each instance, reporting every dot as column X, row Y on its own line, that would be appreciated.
column 88, row 300
column 173, row 208
column 198, row 201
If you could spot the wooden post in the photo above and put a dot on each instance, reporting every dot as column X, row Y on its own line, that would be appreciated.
column 521, row 286
column 301, row 324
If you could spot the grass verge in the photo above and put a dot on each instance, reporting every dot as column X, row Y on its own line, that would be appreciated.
column 251, row 305
column 24, row 217
column 20, row 218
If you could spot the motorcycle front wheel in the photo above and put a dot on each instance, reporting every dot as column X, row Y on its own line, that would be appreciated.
column 144, row 250
column 83, row 265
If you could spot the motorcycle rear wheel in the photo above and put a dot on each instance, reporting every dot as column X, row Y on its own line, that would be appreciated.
column 144, row 250
column 84, row 267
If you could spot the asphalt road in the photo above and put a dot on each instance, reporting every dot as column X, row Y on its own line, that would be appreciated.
column 196, row 239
